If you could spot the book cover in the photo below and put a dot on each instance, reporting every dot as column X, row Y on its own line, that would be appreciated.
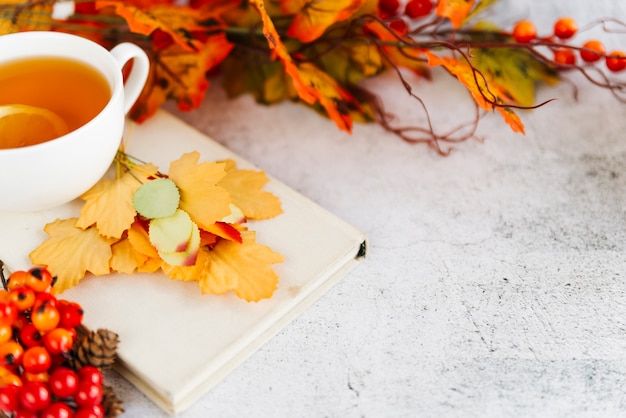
column 175, row 343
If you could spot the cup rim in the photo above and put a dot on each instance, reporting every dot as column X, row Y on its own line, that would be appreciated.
column 116, row 90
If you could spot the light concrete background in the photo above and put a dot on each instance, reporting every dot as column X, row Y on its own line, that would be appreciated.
column 494, row 285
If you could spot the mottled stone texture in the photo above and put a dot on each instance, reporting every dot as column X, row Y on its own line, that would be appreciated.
column 495, row 280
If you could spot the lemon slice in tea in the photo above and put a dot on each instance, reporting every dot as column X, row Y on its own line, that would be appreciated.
column 23, row 125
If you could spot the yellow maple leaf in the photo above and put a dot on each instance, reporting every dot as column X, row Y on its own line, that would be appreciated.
column 125, row 258
column 187, row 273
column 244, row 268
column 109, row 204
column 70, row 252
column 244, row 187
column 200, row 197
column 455, row 10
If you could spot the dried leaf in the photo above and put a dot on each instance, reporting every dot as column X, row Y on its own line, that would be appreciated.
column 313, row 17
column 200, row 196
column 515, row 71
column 511, row 119
column 313, row 85
column 71, row 252
column 109, row 203
column 243, row 268
column 177, row 21
column 19, row 16
column 455, row 10
column 245, row 189
column 180, row 74
column 485, row 92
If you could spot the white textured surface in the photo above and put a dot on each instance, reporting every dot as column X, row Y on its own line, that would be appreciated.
column 495, row 280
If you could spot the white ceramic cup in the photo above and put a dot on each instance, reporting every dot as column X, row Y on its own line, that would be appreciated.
column 52, row 173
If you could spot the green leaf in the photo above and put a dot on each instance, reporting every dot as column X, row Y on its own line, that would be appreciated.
column 516, row 70
column 156, row 198
column 480, row 7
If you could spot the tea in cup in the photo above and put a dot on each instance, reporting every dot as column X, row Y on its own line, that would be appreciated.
column 63, row 105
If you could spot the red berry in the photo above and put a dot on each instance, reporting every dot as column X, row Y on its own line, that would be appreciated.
column 34, row 396
column 564, row 56
column 8, row 312
column 58, row 341
column 47, row 297
column 616, row 61
column 88, row 394
column 24, row 413
column 388, row 7
column 71, row 314
column 95, row 411
column 524, row 31
column 57, row 410
column 36, row 360
column 596, row 51
column 63, row 382
column 565, row 28
column 399, row 26
column 418, row 8
column 90, row 374
column 8, row 398
column 30, row 336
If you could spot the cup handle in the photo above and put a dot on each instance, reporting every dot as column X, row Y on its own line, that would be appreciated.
column 123, row 53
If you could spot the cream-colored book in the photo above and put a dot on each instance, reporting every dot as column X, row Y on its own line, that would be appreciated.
column 175, row 342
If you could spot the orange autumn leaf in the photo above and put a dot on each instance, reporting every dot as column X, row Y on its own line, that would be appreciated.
column 455, row 10
column 514, row 122
column 70, row 252
column 148, row 260
column 177, row 21
column 336, row 101
column 204, row 201
column 245, row 189
column 313, row 17
column 179, row 74
column 307, row 79
column 244, row 268
column 305, row 92
column 485, row 92
column 109, row 203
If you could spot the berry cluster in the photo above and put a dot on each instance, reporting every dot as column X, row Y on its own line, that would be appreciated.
column 525, row 32
column 413, row 9
column 37, row 332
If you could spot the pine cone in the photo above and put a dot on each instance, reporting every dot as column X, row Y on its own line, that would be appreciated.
column 111, row 403
column 97, row 348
